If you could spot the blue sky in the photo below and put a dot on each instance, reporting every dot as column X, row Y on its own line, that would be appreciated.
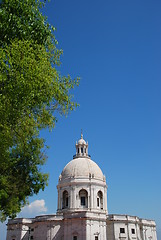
column 115, row 47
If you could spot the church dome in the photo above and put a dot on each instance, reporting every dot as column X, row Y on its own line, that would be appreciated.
column 82, row 185
column 82, row 168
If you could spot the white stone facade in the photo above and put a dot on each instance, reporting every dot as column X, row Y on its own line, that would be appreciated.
column 82, row 209
column 130, row 227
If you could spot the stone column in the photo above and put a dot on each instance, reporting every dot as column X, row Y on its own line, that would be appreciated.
column 59, row 198
column 74, row 197
column 71, row 198
column 105, row 199
column 93, row 200
column 58, row 203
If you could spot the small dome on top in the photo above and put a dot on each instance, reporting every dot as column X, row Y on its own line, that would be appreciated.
column 81, row 147
column 81, row 141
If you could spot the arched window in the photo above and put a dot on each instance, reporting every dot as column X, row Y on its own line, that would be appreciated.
column 65, row 200
column 100, row 200
column 83, row 196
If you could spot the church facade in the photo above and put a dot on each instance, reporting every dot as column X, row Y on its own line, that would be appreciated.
column 82, row 212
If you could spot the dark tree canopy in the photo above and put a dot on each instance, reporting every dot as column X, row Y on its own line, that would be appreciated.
column 32, row 92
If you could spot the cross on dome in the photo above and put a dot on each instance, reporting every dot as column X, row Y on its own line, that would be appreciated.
column 81, row 134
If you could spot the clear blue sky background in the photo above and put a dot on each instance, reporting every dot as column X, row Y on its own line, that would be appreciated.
column 115, row 47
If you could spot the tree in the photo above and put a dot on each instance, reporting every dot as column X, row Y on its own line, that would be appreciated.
column 32, row 92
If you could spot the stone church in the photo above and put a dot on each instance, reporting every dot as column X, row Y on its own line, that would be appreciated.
column 82, row 212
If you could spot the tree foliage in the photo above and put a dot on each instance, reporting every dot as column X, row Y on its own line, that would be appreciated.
column 32, row 91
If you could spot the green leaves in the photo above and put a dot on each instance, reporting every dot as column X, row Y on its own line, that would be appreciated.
column 23, row 20
column 32, row 92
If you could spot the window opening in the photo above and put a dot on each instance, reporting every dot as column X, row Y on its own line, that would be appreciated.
column 78, row 150
column 133, row 231
column 83, row 196
column 122, row 230
column 65, row 200
column 83, row 201
column 81, row 150
column 74, row 237
column 98, row 202
column 96, row 237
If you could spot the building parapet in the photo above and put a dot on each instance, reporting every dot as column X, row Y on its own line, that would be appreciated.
column 129, row 218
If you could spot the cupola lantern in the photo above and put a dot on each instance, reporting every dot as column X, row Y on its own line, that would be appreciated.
column 81, row 147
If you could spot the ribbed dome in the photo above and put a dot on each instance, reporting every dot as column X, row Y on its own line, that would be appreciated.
column 81, row 168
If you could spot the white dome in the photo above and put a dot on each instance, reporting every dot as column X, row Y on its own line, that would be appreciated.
column 81, row 168
column 81, row 141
